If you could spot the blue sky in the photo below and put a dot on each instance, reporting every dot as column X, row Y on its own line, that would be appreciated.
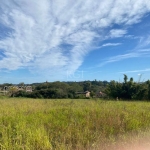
column 74, row 40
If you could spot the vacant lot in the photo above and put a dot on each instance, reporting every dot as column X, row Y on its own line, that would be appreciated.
column 32, row 124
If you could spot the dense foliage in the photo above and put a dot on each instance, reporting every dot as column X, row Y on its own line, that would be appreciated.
column 63, row 89
column 126, row 90
column 129, row 89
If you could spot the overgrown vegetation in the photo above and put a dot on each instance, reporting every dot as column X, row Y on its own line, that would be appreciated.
column 69, row 124
column 126, row 90
column 62, row 90
column 129, row 90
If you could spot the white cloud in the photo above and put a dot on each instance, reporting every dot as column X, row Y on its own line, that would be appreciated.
column 106, row 45
column 111, row 44
column 135, row 71
column 118, row 58
column 115, row 33
column 39, row 29
column 135, row 54
column 144, row 42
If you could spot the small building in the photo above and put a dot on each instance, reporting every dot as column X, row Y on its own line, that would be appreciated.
column 101, row 95
column 85, row 94
column 7, row 89
column 20, row 88
column 28, row 88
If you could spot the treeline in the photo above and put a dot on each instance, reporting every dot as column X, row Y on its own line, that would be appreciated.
column 63, row 89
column 126, row 90
column 129, row 90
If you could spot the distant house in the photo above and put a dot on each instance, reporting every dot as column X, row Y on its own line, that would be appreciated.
column 101, row 95
column 85, row 94
column 28, row 88
column 20, row 88
column 16, row 88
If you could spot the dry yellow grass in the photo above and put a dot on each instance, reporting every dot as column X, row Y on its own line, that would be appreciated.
column 32, row 124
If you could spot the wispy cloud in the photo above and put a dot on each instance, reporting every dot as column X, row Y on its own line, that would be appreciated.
column 115, row 33
column 136, row 71
column 105, row 45
column 144, row 42
column 39, row 29
column 135, row 54
column 111, row 44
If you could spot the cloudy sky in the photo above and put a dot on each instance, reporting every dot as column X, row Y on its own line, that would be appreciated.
column 74, row 40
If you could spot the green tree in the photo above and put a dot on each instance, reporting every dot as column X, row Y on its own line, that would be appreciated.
column 92, row 94
column 148, row 89
column 12, row 91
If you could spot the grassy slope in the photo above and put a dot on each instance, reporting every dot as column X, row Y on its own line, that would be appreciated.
column 69, row 124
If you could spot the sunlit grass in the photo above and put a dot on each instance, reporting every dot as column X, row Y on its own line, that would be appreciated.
column 32, row 124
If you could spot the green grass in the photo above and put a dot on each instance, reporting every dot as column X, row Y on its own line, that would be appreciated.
column 32, row 124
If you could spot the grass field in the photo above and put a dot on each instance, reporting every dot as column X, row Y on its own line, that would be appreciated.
column 32, row 124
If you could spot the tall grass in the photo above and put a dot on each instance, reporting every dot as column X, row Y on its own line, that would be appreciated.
column 28, row 124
